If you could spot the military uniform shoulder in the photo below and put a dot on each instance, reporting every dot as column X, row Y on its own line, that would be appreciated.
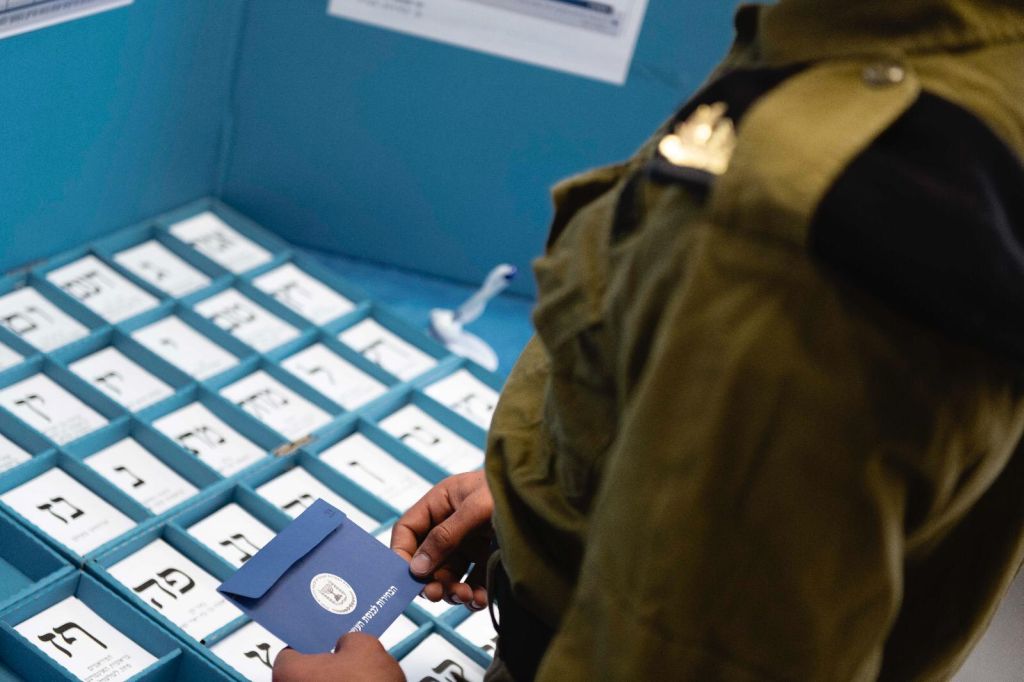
column 885, row 177
column 930, row 219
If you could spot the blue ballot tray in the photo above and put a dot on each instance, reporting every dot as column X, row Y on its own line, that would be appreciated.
column 43, row 565
column 68, row 511
column 23, row 660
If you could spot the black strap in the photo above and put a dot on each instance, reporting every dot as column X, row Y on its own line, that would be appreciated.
column 523, row 639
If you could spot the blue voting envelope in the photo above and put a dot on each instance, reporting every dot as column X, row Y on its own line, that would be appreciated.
column 320, row 578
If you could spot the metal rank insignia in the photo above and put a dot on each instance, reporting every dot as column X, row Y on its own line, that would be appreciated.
column 705, row 141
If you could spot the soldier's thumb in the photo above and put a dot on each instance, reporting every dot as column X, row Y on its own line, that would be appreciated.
column 440, row 542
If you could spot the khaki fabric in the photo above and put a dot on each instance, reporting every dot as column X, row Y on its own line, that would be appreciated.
column 716, row 460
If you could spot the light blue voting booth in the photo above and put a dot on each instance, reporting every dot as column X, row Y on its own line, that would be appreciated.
column 391, row 169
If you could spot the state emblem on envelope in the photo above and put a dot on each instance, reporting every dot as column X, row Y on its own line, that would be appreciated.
column 320, row 578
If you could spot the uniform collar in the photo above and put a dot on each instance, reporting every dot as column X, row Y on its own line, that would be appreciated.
column 809, row 30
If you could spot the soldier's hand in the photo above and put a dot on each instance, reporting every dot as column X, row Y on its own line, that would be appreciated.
column 444, row 533
column 358, row 657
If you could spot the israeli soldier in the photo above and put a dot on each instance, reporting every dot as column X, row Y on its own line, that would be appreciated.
column 769, row 425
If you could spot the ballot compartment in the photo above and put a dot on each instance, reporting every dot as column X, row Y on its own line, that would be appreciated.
column 177, row 392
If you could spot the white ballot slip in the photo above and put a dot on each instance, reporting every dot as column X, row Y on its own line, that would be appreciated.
column 141, row 475
column 427, row 436
column 245, row 320
column 250, row 650
column 464, row 394
column 185, row 348
column 84, row 644
column 276, row 405
column 172, row 585
column 215, row 443
column 303, row 293
column 35, row 319
column 233, row 533
column 296, row 489
column 9, row 357
column 383, row 347
column 437, row 659
column 102, row 290
column 335, row 377
column 157, row 265
column 67, row 511
column 215, row 239
column 50, row 409
column 371, row 467
column 479, row 630
column 397, row 631
column 122, row 379
column 11, row 455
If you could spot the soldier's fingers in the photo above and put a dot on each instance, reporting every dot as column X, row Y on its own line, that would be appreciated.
column 417, row 521
column 479, row 602
column 358, row 644
column 291, row 666
column 443, row 578
column 433, row 591
column 459, row 593
column 447, row 536
column 452, row 570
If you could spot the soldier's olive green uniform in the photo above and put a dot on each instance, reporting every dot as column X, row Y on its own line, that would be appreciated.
column 731, row 454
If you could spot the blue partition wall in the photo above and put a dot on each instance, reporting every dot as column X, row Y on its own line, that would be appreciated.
column 333, row 134
column 109, row 120
column 428, row 156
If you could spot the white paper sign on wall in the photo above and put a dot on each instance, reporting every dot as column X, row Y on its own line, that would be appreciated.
column 22, row 16
column 591, row 38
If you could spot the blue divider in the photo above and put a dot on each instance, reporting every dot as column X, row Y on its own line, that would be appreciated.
column 16, row 343
column 26, row 563
column 23, row 435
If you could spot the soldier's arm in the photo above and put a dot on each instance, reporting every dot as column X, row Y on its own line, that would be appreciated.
column 786, row 440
